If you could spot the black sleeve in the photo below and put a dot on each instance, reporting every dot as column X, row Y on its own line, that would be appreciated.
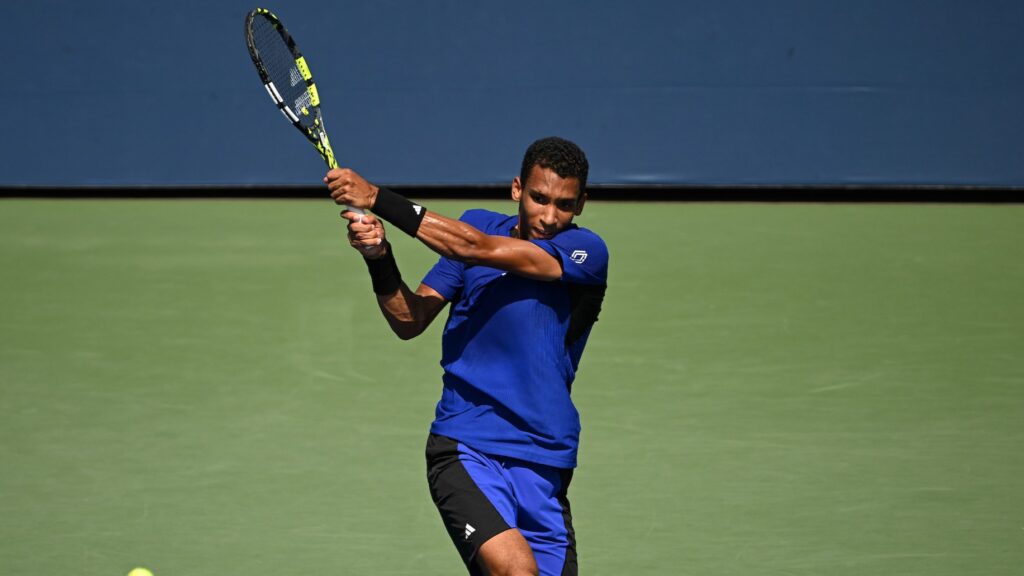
column 585, row 300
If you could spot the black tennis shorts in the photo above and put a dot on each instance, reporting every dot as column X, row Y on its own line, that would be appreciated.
column 480, row 496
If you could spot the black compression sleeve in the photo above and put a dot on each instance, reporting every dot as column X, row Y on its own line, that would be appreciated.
column 384, row 273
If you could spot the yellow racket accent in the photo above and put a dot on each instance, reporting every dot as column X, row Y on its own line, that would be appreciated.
column 326, row 151
column 300, row 62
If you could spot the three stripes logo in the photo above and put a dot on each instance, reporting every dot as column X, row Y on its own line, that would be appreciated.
column 469, row 531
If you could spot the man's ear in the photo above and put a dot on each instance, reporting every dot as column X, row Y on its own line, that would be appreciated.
column 580, row 203
column 517, row 189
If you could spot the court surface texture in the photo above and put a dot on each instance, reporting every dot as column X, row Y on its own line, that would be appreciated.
column 206, row 387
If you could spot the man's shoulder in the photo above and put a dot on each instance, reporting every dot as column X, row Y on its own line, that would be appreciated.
column 583, row 253
column 581, row 232
column 483, row 219
column 582, row 238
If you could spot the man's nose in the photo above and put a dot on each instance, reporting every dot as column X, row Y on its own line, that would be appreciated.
column 548, row 217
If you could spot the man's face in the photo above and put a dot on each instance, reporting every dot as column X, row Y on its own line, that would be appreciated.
column 547, row 203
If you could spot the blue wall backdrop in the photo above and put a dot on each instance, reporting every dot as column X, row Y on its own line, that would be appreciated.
column 451, row 92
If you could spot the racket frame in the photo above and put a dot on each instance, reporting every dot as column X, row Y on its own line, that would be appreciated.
column 315, row 133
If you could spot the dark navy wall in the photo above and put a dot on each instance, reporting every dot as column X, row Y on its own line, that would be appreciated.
column 421, row 92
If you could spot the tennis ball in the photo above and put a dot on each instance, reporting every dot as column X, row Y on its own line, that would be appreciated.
column 140, row 572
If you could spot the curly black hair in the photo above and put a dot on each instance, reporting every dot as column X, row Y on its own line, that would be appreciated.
column 558, row 154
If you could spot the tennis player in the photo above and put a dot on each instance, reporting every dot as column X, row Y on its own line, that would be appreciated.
column 524, row 290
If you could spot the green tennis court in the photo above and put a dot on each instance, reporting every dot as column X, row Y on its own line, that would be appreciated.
column 206, row 388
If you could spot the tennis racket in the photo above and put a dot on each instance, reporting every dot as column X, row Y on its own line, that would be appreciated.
column 286, row 76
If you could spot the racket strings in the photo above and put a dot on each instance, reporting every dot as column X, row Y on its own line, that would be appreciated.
column 279, row 64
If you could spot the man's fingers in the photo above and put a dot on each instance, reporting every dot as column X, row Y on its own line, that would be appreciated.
column 368, row 220
column 364, row 230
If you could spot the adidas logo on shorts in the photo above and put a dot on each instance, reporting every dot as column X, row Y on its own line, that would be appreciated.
column 469, row 531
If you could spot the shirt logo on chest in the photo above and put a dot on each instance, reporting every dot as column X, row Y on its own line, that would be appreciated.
column 578, row 256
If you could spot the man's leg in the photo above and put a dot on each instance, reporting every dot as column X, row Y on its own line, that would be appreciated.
column 505, row 517
column 508, row 554
column 475, row 504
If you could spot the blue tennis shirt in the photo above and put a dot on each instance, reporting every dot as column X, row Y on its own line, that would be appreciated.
column 508, row 363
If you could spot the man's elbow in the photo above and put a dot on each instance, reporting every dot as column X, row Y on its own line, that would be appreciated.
column 406, row 334
column 406, row 330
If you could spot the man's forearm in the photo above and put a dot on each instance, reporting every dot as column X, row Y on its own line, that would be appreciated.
column 452, row 238
column 461, row 241
column 448, row 237
column 402, row 311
